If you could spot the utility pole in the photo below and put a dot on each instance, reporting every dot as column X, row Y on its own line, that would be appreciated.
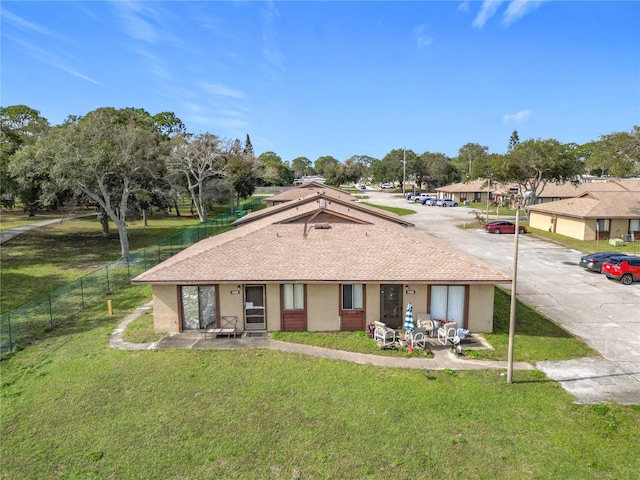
column 404, row 170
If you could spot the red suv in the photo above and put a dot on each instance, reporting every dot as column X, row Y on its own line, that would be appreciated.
column 625, row 269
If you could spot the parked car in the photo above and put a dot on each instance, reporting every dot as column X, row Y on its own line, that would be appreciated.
column 430, row 202
column 593, row 262
column 428, row 198
column 386, row 185
column 446, row 202
column 499, row 227
column 417, row 197
column 626, row 269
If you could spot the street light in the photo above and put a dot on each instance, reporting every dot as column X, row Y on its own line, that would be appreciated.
column 404, row 170
column 514, row 280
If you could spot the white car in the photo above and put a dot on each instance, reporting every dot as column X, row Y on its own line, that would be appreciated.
column 447, row 202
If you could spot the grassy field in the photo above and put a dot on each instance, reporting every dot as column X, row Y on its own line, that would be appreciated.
column 396, row 210
column 73, row 408
column 42, row 259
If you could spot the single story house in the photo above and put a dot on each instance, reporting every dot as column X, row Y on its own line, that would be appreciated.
column 320, row 264
column 553, row 192
column 601, row 214
column 475, row 191
column 305, row 189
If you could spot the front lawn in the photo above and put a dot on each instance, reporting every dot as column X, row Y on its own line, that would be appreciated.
column 74, row 408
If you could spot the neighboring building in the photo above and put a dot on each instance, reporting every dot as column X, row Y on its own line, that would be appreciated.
column 306, row 189
column 605, row 214
column 310, row 179
column 320, row 263
column 553, row 192
column 474, row 191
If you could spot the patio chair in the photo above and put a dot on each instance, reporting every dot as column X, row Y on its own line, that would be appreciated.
column 447, row 332
column 417, row 338
column 424, row 321
column 228, row 327
column 384, row 334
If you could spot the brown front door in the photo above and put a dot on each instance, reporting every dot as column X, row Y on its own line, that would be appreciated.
column 391, row 313
column 254, row 307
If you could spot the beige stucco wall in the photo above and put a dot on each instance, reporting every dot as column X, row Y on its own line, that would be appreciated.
column 541, row 221
column 480, row 308
column 323, row 308
column 619, row 227
column 569, row 227
column 232, row 304
column 165, row 308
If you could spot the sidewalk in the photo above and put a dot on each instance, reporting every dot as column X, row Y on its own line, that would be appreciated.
column 7, row 235
column 443, row 358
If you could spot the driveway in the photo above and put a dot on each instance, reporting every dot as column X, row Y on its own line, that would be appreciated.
column 604, row 313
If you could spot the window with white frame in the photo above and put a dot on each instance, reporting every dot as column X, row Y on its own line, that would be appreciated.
column 634, row 226
column 293, row 296
column 447, row 303
column 352, row 297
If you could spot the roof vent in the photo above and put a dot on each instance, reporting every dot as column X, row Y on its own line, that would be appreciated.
column 322, row 226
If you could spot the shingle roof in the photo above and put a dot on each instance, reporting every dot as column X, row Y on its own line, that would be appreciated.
column 565, row 190
column 307, row 189
column 622, row 204
column 342, row 252
column 332, row 204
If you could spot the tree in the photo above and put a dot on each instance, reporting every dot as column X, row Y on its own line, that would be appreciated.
column 273, row 170
column 198, row 160
column 532, row 164
column 439, row 170
column 107, row 155
column 248, row 148
column 325, row 162
column 390, row 168
column 20, row 126
column 301, row 166
column 242, row 173
column 514, row 140
column 469, row 154
column 616, row 154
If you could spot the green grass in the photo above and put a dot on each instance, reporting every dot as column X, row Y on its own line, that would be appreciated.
column 42, row 259
column 536, row 337
column 587, row 246
column 397, row 211
column 141, row 330
column 74, row 408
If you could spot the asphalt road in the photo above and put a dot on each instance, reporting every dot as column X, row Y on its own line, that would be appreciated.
column 602, row 312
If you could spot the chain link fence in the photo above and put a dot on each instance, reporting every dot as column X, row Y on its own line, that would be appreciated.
column 31, row 321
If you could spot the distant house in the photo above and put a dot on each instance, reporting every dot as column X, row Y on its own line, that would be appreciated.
column 309, row 179
column 320, row 263
column 553, row 192
column 474, row 191
column 591, row 215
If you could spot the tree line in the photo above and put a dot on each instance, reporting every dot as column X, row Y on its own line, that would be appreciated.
column 126, row 161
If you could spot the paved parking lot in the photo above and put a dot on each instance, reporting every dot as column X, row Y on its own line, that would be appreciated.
column 604, row 313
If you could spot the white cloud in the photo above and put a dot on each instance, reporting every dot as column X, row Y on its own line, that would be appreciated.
column 521, row 116
column 488, row 10
column 464, row 6
column 131, row 14
column 422, row 37
column 222, row 90
column 518, row 9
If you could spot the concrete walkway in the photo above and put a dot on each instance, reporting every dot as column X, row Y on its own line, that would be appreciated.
column 443, row 358
column 7, row 235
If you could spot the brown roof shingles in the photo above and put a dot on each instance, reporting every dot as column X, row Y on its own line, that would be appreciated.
column 621, row 204
column 282, row 253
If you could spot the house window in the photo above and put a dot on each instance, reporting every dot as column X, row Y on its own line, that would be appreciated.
column 352, row 297
column 603, row 224
column 198, row 306
column 293, row 296
column 447, row 303
column 477, row 196
column 634, row 226
column 555, row 199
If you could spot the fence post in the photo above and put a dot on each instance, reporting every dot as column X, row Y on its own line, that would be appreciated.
column 50, row 311
column 107, row 270
column 9, row 330
column 82, row 292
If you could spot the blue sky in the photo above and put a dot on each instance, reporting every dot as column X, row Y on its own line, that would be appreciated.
column 335, row 78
